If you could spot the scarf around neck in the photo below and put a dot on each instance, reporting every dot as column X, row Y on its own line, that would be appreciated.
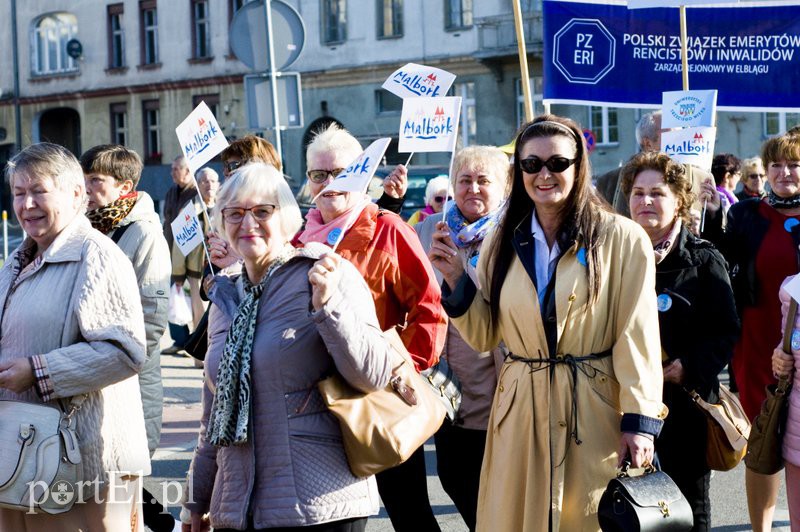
column 464, row 233
column 327, row 233
column 228, row 423
column 663, row 248
column 105, row 219
column 778, row 202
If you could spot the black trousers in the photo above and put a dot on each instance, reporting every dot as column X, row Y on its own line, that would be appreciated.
column 357, row 524
column 404, row 492
column 459, row 455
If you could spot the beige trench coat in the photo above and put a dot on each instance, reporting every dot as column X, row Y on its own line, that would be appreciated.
column 532, row 465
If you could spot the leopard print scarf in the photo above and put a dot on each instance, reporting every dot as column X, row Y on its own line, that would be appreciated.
column 230, row 409
column 106, row 219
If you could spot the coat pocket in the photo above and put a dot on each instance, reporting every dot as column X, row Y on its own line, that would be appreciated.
column 506, row 391
column 606, row 388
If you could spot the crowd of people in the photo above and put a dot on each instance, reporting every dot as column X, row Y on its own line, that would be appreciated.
column 579, row 315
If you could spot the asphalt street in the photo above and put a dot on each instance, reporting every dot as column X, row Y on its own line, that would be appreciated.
column 182, row 386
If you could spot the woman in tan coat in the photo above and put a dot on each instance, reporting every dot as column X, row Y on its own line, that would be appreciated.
column 568, row 287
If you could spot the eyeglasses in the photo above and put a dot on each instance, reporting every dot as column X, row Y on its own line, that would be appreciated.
column 756, row 176
column 320, row 176
column 230, row 166
column 556, row 163
column 261, row 213
column 439, row 199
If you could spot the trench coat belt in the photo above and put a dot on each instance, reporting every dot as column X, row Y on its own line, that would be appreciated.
column 575, row 363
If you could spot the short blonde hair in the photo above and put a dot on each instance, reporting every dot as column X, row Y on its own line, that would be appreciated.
column 334, row 139
column 751, row 165
column 47, row 161
column 259, row 180
column 489, row 159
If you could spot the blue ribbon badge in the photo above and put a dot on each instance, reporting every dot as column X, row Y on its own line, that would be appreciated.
column 789, row 224
column 333, row 236
column 582, row 257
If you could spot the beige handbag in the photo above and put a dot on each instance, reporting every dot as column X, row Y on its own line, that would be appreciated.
column 40, row 462
column 382, row 429
column 728, row 430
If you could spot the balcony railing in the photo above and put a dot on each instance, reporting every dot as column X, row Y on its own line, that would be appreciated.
column 497, row 37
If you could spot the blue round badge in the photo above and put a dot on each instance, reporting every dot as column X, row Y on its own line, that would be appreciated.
column 474, row 261
column 664, row 302
column 789, row 224
column 333, row 236
column 582, row 256
column 795, row 340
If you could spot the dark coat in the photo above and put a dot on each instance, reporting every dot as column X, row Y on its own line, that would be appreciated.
column 700, row 328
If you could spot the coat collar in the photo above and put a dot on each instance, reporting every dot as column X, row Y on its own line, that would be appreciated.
column 524, row 245
column 358, row 237
column 68, row 245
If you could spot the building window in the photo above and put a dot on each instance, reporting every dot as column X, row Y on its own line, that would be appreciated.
column 529, row 6
column 457, row 14
column 119, row 124
column 49, row 42
column 201, row 29
column 148, row 35
column 779, row 123
column 468, row 119
column 152, row 131
column 390, row 18
column 212, row 101
column 604, row 124
column 334, row 21
column 116, row 36
column 234, row 6
column 536, row 85
column 387, row 103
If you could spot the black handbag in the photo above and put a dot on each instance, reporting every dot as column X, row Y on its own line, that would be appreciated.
column 650, row 502
column 446, row 385
column 197, row 343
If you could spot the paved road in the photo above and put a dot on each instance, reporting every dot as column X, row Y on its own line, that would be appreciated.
column 182, row 383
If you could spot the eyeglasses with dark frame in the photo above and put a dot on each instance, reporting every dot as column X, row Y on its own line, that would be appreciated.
column 231, row 166
column 320, row 176
column 756, row 176
column 556, row 164
column 440, row 199
column 260, row 213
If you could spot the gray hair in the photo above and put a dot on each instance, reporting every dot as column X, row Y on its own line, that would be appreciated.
column 181, row 160
column 748, row 165
column 334, row 139
column 259, row 180
column 45, row 160
column 648, row 127
column 435, row 185
column 207, row 171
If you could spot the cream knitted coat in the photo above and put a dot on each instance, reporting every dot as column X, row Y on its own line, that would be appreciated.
column 80, row 308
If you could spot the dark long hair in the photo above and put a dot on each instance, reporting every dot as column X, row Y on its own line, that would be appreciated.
column 581, row 214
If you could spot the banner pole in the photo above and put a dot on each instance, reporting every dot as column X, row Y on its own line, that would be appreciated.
column 684, row 49
column 208, row 223
column 409, row 159
column 523, row 61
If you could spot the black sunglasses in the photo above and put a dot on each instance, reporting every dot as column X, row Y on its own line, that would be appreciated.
column 230, row 166
column 439, row 199
column 556, row 163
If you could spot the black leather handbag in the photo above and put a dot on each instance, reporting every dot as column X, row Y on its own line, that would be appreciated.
column 650, row 502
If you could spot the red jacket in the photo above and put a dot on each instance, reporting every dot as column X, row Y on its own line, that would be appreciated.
column 388, row 254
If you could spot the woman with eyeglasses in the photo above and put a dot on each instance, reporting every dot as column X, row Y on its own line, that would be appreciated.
column 568, row 288
column 270, row 454
column 436, row 193
column 387, row 253
column 696, row 314
column 480, row 183
column 760, row 242
column 753, row 179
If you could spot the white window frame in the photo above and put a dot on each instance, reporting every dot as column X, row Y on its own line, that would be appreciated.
column 783, row 122
column 460, row 10
column 120, row 132
column 603, row 128
column 59, row 29
column 469, row 118
column 153, row 127
column 202, row 25
column 117, row 40
column 537, row 97
column 150, row 55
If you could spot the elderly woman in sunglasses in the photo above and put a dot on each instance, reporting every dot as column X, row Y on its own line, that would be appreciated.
column 387, row 253
column 568, row 288
column 436, row 193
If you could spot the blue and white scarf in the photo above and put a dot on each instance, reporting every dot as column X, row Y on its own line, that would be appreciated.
column 464, row 233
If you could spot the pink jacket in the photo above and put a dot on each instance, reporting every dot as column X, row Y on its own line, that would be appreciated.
column 791, row 438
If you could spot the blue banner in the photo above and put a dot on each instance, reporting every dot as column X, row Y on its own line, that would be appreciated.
column 611, row 55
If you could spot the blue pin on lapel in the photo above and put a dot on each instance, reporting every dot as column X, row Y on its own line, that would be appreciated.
column 582, row 256
column 789, row 224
